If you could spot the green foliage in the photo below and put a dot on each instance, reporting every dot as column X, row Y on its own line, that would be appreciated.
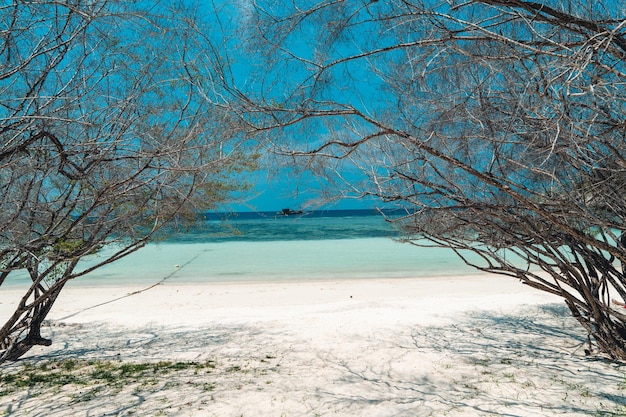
column 66, row 247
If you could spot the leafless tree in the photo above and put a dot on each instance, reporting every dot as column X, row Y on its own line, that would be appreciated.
column 107, row 137
column 498, row 125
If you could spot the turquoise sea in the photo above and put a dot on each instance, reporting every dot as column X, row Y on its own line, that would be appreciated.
column 320, row 245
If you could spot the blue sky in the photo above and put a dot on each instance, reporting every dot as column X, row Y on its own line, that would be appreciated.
column 272, row 192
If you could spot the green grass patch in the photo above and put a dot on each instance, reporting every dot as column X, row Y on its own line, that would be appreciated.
column 51, row 374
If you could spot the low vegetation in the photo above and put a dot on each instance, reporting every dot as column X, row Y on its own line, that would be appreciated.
column 97, row 375
column 76, row 386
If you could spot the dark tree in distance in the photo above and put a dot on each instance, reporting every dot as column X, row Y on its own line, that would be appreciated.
column 498, row 125
column 106, row 137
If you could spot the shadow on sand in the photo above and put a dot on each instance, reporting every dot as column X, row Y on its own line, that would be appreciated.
column 525, row 364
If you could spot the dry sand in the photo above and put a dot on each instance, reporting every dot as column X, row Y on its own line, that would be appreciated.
column 460, row 346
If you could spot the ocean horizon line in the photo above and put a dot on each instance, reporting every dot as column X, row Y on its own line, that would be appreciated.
column 295, row 212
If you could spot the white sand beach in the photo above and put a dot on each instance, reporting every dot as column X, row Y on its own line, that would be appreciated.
column 458, row 346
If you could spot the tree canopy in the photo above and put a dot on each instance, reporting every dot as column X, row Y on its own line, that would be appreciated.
column 106, row 137
column 498, row 125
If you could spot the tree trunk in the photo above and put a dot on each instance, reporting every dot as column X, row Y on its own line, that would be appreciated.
column 15, row 349
column 608, row 332
column 20, row 348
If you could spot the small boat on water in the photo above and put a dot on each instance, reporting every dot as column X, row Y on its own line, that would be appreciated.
column 289, row 212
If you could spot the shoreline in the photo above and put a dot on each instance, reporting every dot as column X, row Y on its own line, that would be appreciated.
column 122, row 304
column 471, row 345
column 270, row 261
